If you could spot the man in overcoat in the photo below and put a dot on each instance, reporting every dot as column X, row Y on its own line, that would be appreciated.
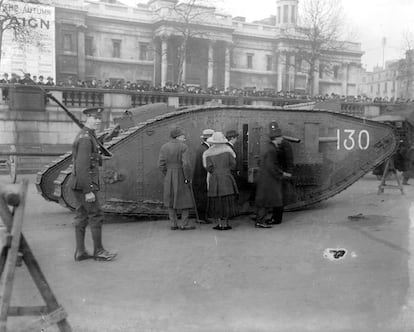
column 200, row 178
column 85, row 186
column 175, row 164
column 409, row 165
column 276, row 166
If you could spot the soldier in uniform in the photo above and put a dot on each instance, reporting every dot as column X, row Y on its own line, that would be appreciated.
column 85, row 185
column 275, row 168
column 200, row 178
column 175, row 164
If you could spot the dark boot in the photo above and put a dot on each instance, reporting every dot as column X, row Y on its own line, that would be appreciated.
column 99, row 253
column 80, row 252
column 276, row 216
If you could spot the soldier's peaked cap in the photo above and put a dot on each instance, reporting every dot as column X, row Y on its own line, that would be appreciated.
column 94, row 111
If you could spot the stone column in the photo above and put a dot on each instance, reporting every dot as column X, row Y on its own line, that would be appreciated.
column 280, row 67
column 81, row 52
column 345, row 78
column 164, row 60
column 154, row 62
column 210, row 63
column 292, row 72
column 227, row 67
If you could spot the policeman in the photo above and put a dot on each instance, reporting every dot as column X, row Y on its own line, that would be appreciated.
column 200, row 178
column 85, row 185
column 275, row 169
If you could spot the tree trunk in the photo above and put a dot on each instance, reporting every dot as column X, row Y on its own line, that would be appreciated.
column 182, row 56
column 310, row 83
column 1, row 41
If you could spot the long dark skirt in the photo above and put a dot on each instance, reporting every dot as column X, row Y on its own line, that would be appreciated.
column 222, row 207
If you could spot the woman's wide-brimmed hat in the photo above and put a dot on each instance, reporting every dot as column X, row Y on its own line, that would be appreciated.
column 217, row 138
column 207, row 133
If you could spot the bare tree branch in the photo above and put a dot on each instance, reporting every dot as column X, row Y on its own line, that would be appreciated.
column 321, row 27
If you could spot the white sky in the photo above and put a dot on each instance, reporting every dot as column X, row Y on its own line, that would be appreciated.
column 369, row 21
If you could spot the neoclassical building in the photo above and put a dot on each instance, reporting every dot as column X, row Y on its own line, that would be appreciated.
column 109, row 40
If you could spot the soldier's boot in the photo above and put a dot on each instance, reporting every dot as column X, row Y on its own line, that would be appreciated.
column 99, row 253
column 80, row 252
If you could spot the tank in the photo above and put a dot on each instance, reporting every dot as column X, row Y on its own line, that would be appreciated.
column 334, row 151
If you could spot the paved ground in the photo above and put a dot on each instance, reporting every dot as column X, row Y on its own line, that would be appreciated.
column 246, row 279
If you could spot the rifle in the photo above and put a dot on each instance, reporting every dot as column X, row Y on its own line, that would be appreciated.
column 292, row 139
column 102, row 148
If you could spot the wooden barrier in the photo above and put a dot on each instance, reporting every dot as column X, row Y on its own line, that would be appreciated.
column 14, row 248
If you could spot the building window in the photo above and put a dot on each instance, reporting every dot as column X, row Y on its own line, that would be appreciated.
column 67, row 42
column 320, row 71
column 293, row 14
column 143, row 51
column 285, row 13
column 89, row 46
column 249, row 60
column 372, row 88
column 116, row 48
column 336, row 72
column 269, row 62
column 385, row 87
column 378, row 88
column 393, row 86
column 298, row 64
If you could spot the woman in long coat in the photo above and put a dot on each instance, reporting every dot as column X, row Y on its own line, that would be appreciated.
column 219, row 160
column 276, row 167
column 175, row 164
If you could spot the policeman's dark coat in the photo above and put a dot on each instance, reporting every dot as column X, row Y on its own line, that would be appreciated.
column 200, row 173
column 274, row 162
column 409, row 162
column 175, row 164
column 86, row 162
column 219, row 160
column 200, row 180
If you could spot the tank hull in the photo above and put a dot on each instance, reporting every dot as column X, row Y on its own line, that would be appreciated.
column 335, row 150
column 45, row 180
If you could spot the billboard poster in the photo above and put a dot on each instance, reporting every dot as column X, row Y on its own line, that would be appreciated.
column 32, row 48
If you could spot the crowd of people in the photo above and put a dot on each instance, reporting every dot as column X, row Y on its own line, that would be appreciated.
column 211, row 185
column 169, row 87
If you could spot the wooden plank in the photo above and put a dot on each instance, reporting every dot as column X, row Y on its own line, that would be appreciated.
column 41, row 282
column 10, row 265
column 45, row 321
column 28, row 311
